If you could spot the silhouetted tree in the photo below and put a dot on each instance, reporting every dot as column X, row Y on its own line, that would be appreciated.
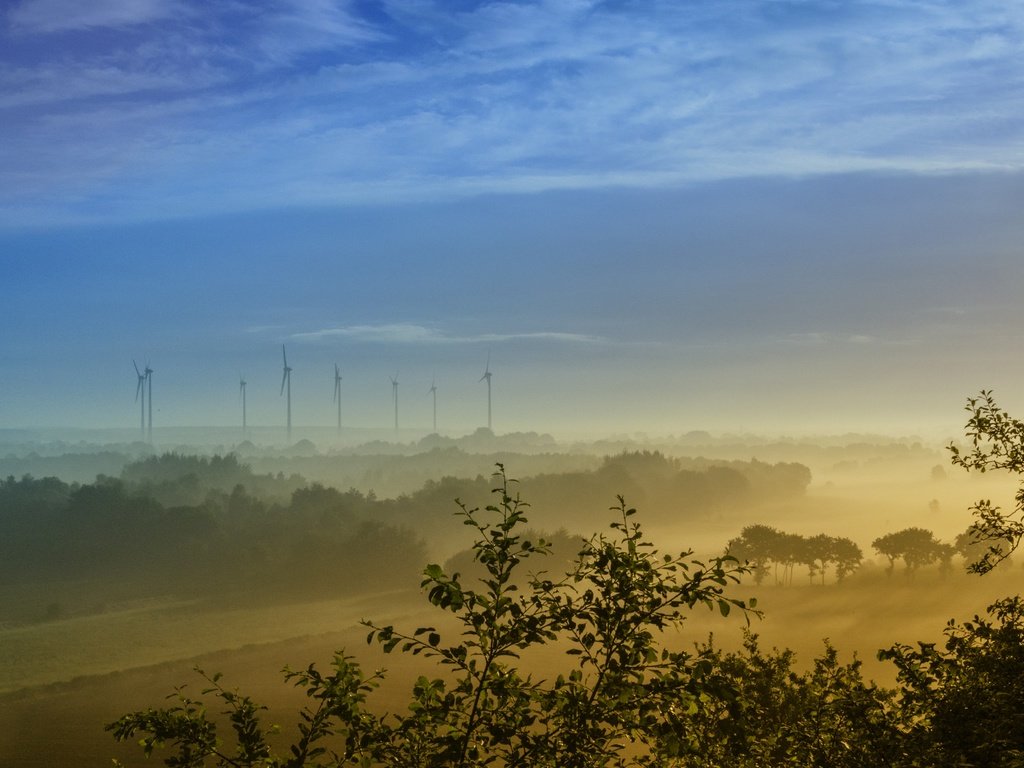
column 819, row 551
column 916, row 547
column 758, row 546
column 848, row 557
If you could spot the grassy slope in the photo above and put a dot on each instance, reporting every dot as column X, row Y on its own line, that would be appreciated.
column 62, row 723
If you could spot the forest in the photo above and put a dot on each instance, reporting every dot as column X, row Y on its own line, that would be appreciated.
column 191, row 525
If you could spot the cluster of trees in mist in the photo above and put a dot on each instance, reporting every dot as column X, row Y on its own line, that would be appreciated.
column 768, row 550
column 665, row 484
column 192, row 525
column 765, row 549
column 415, row 462
column 918, row 547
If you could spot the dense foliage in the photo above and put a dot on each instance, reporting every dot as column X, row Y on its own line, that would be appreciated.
column 963, row 704
column 761, row 711
column 318, row 541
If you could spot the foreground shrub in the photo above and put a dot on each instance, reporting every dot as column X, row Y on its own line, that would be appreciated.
column 963, row 704
column 763, row 712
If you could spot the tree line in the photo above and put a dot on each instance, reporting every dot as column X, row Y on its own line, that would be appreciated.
column 318, row 542
column 767, row 550
column 195, row 525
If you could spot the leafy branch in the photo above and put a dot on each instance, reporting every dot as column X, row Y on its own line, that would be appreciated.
column 996, row 443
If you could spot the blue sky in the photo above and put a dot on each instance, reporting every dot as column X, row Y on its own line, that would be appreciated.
column 655, row 216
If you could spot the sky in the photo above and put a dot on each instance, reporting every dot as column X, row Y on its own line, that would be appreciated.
column 784, row 216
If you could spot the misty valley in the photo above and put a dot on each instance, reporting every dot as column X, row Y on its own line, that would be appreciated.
column 511, row 384
column 123, row 567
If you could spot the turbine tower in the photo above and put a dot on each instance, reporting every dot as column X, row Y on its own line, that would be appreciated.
column 149, row 378
column 433, row 391
column 337, row 393
column 487, row 376
column 140, row 391
column 286, row 381
column 241, row 394
column 394, row 397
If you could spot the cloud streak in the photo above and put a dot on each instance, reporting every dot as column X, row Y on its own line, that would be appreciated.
column 823, row 339
column 409, row 333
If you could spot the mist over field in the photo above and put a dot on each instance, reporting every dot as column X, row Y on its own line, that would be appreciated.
column 112, row 589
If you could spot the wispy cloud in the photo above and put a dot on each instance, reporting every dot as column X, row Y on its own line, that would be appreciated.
column 317, row 103
column 408, row 333
column 300, row 26
column 823, row 339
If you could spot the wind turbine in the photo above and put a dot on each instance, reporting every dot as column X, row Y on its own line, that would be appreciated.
column 286, row 381
column 487, row 376
column 394, row 397
column 337, row 393
column 149, row 378
column 433, row 391
column 140, row 390
column 241, row 394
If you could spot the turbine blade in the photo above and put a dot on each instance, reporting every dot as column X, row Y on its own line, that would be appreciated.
column 284, row 356
column 283, row 379
column 137, row 373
